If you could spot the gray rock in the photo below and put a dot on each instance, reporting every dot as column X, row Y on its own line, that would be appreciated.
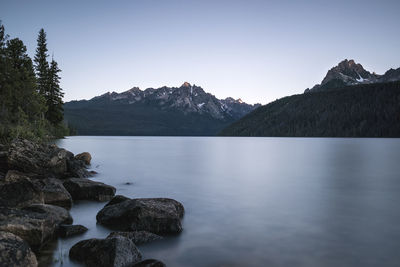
column 137, row 237
column 54, row 192
column 85, row 189
column 67, row 230
column 37, row 158
column 15, row 252
column 85, row 157
column 77, row 168
column 18, row 190
column 36, row 224
column 156, row 215
column 117, row 199
column 149, row 263
column 115, row 251
column 44, row 159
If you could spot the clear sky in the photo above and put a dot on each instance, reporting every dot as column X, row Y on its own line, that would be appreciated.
column 256, row 50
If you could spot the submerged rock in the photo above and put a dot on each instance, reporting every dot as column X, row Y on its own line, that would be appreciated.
column 149, row 263
column 36, row 224
column 18, row 190
column 114, row 251
column 15, row 252
column 67, row 230
column 137, row 237
column 156, row 215
column 85, row 157
column 54, row 192
column 85, row 189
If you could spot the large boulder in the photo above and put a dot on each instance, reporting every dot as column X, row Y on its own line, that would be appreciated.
column 44, row 159
column 149, row 263
column 37, row 158
column 18, row 190
column 15, row 252
column 156, row 215
column 36, row 224
column 137, row 237
column 85, row 189
column 67, row 230
column 110, row 252
column 54, row 192
column 85, row 157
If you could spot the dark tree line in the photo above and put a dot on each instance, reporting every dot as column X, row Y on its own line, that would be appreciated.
column 31, row 103
column 369, row 110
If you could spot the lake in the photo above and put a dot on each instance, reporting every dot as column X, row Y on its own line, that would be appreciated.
column 255, row 201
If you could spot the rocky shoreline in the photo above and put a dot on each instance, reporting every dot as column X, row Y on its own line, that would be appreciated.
column 39, row 184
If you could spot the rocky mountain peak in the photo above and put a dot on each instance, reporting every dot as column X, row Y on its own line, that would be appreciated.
column 186, row 84
column 348, row 72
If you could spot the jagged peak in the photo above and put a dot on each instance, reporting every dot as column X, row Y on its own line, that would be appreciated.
column 186, row 84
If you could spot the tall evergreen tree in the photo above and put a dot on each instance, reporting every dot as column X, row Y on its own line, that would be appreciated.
column 41, row 64
column 54, row 97
column 20, row 84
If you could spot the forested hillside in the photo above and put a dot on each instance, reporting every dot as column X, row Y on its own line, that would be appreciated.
column 31, row 103
column 366, row 110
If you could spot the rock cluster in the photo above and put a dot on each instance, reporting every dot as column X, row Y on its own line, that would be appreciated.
column 38, row 184
column 34, row 200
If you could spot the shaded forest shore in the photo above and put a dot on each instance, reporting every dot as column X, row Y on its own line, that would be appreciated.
column 31, row 104
column 39, row 184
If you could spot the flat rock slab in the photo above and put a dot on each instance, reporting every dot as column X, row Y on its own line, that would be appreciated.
column 156, row 215
column 85, row 189
column 15, row 252
column 67, row 230
column 116, row 251
column 36, row 224
column 137, row 237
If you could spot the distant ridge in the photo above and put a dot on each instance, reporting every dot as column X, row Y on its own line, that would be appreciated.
column 184, row 110
column 349, row 102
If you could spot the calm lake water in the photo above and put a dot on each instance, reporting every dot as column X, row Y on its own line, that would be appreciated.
column 255, row 201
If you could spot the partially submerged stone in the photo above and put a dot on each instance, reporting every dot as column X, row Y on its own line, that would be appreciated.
column 115, row 251
column 137, row 237
column 85, row 157
column 85, row 189
column 156, row 215
column 67, row 230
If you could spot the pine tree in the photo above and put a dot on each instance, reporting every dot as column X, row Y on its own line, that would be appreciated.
column 54, row 98
column 20, row 84
column 41, row 64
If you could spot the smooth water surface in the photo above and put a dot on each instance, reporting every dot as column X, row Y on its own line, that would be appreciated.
column 256, row 201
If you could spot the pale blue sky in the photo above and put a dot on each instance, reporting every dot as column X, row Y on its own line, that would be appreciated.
column 255, row 50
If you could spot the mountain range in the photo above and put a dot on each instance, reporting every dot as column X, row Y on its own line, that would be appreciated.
column 184, row 110
column 349, row 102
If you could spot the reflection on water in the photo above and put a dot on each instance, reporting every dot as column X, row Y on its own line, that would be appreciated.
column 256, row 201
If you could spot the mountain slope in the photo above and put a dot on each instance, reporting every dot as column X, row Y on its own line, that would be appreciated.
column 367, row 110
column 185, row 110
